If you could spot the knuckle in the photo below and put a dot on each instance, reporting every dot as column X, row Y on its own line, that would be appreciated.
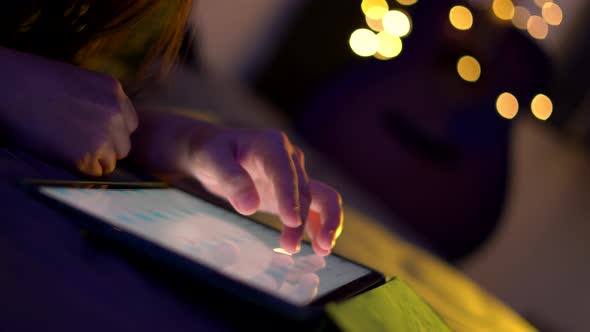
column 203, row 157
column 133, row 127
column 236, row 181
column 124, row 152
column 115, row 103
column 115, row 120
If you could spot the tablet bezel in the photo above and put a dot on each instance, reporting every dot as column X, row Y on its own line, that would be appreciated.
column 162, row 256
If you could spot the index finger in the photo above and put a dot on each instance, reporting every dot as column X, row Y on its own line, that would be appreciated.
column 290, row 190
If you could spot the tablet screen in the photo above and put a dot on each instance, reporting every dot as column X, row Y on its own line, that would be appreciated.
column 219, row 239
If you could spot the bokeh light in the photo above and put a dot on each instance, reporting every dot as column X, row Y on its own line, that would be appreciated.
column 541, row 3
column 521, row 17
column 366, row 5
column 469, row 68
column 376, row 13
column 552, row 13
column 503, row 9
column 542, row 107
column 507, row 105
column 461, row 17
column 375, row 25
column 364, row 42
column 281, row 251
column 407, row 2
column 374, row 18
column 389, row 46
column 397, row 23
column 537, row 27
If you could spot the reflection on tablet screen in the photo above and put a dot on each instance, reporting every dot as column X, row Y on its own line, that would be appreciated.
column 224, row 241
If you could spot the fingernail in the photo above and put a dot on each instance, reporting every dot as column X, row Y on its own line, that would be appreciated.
column 298, row 221
column 325, row 245
column 246, row 202
column 328, row 243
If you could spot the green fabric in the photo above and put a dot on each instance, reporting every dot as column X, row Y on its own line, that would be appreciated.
column 393, row 306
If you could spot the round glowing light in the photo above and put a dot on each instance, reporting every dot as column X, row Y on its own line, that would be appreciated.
column 552, row 13
column 541, row 3
column 461, row 17
column 407, row 2
column 389, row 46
column 537, row 27
column 469, row 69
column 542, row 107
column 521, row 17
column 366, row 5
column 376, row 13
column 397, row 23
column 364, row 42
column 503, row 9
column 375, row 25
column 507, row 105
column 374, row 18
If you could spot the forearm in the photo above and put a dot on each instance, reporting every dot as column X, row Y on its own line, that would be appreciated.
column 16, row 113
column 10, row 62
column 22, row 75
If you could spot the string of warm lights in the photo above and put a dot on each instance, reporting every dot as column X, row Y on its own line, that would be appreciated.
column 535, row 17
column 386, row 28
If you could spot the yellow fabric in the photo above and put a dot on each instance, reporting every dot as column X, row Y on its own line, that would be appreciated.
column 391, row 307
column 463, row 305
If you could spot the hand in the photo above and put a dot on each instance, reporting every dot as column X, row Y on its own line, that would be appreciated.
column 79, row 117
column 294, row 277
column 263, row 171
column 255, row 170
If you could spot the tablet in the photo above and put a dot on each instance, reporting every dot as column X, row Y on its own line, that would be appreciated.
column 219, row 246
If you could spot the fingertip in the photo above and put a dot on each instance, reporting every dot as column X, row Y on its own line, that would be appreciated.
column 327, row 240
column 107, row 165
column 247, row 202
column 290, row 245
column 320, row 251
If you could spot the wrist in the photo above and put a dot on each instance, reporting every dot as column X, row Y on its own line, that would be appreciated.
column 166, row 138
